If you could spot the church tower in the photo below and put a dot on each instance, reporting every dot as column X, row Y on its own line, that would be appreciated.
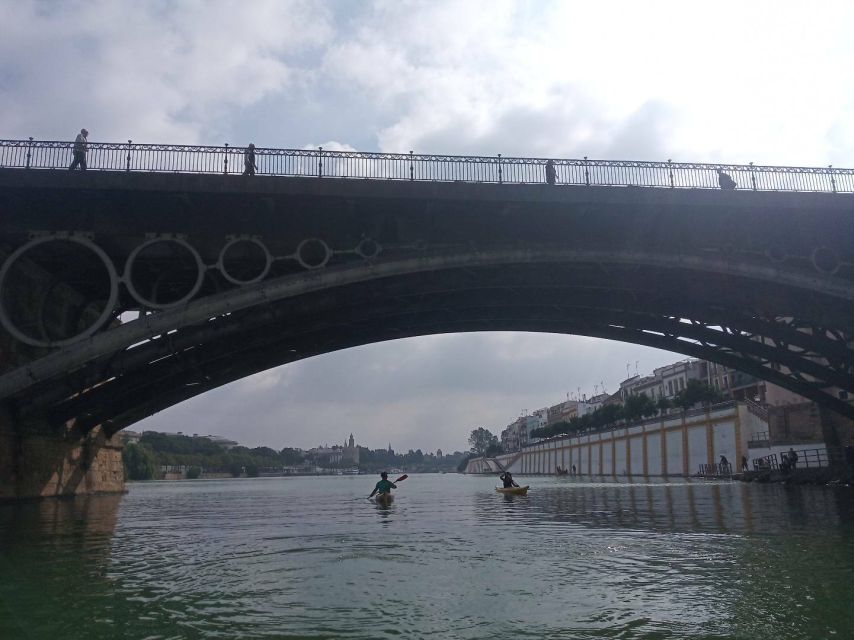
column 351, row 451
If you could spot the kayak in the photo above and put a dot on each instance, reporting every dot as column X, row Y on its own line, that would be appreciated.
column 514, row 491
column 384, row 499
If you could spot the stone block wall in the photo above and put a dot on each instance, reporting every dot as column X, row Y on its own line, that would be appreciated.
column 47, row 462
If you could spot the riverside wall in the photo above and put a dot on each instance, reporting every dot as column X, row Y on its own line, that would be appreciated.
column 38, row 462
column 672, row 445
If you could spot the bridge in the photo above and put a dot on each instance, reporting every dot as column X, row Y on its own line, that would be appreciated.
column 161, row 272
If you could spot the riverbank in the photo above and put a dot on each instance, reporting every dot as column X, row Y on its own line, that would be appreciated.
column 824, row 476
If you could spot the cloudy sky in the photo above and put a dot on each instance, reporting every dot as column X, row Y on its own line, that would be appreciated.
column 717, row 81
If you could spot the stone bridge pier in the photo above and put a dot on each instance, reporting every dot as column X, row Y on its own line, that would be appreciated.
column 38, row 460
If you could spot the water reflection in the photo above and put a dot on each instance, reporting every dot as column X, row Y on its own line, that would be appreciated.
column 311, row 558
column 58, row 552
column 683, row 505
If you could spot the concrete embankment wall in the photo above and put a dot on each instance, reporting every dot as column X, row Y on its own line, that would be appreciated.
column 672, row 445
column 46, row 462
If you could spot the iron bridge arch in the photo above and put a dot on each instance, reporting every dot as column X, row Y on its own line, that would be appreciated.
column 232, row 276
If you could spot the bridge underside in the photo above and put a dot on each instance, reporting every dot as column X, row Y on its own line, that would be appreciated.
column 766, row 287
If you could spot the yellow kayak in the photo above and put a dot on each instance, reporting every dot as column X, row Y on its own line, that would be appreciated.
column 384, row 499
column 515, row 491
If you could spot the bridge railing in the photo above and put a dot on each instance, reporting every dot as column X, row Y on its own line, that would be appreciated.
column 225, row 159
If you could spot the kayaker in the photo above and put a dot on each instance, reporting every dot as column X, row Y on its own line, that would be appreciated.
column 507, row 479
column 383, row 486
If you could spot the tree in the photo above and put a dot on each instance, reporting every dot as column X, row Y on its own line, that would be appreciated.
column 663, row 404
column 193, row 473
column 139, row 462
column 481, row 439
column 494, row 449
column 638, row 406
column 290, row 456
column 694, row 392
column 607, row 414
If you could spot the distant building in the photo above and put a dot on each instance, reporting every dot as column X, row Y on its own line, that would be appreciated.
column 517, row 434
column 562, row 412
column 350, row 453
column 129, row 437
column 225, row 443
column 666, row 381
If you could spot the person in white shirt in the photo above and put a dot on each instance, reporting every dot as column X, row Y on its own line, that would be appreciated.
column 79, row 150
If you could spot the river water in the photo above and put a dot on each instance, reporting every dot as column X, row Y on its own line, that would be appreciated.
column 311, row 558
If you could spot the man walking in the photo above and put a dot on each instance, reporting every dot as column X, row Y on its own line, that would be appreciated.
column 249, row 165
column 551, row 172
column 79, row 150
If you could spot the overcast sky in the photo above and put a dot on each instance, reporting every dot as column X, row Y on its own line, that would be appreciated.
column 716, row 81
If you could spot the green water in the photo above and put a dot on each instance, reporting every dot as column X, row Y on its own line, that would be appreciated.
column 311, row 558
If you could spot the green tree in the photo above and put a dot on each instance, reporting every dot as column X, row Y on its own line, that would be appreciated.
column 290, row 456
column 696, row 391
column 639, row 406
column 193, row 473
column 139, row 462
column 607, row 414
column 481, row 439
column 494, row 449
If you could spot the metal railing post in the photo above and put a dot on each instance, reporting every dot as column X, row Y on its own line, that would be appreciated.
column 670, row 172
column 752, row 177
column 29, row 152
column 411, row 167
column 225, row 161
column 320, row 162
column 832, row 179
column 500, row 174
column 586, row 172
column 127, row 166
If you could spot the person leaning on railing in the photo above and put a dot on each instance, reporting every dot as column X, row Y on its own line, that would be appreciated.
column 725, row 180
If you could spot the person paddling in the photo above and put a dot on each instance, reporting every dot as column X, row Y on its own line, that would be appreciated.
column 384, row 486
column 507, row 479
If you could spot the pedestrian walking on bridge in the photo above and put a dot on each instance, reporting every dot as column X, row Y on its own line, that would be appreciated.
column 81, row 144
column 249, row 165
column 551, row 172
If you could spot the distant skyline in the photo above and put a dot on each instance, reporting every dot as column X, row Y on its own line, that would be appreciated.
column 728, row 82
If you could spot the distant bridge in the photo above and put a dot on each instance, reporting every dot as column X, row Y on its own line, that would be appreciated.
column 324, row 250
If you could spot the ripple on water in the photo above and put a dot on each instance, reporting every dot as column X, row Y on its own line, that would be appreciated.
column 311, row 558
